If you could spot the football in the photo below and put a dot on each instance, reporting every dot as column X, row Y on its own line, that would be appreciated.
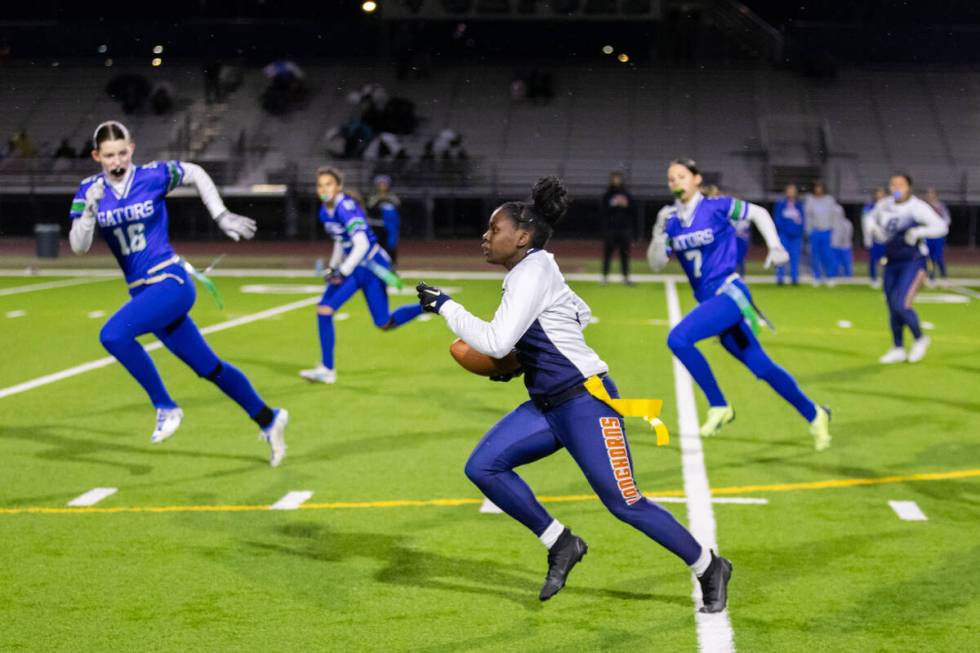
column 477, row 363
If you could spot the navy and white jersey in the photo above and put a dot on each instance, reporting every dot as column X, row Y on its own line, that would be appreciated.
column 892, row 219
column 703, row 235
column 134, row 222
column 345, row 219
column 540, row 317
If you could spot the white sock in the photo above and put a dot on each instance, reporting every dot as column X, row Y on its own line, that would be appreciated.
column 550, row 535
column 701, row 564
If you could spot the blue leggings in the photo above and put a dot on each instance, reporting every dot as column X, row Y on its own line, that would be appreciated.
column 720, row 316
column 596, row 438
column 793, row 246
column 162, row 309
column 843, row 262
column 376, row 295
column 902, row 281
column 821, row 256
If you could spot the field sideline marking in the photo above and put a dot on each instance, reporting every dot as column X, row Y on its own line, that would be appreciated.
column 473, row 501
column 292, row 501
column 109, row 360
column 908, row 511
column 16, row 290
column 93, row 496
column 715, row 634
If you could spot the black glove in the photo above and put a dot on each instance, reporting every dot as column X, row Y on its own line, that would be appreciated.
column 431, row 297
column 333, row 276
column 507, row 376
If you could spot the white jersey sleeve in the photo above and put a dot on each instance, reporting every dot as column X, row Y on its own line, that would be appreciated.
column 524, row 297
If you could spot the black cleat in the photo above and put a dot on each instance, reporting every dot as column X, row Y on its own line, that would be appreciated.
column 714, row 584
column 564, row 555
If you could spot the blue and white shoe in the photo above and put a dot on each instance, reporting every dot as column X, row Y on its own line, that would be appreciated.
column 168, row 421
column 275, row 435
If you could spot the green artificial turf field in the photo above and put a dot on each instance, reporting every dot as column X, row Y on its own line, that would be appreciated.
column 377, row 561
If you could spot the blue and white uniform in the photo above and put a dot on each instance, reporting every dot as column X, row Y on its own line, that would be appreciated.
column 903, row 227
column 701, row 233
column 543, row 320
column 132, row 219
column 937, row 246
column 361, row 262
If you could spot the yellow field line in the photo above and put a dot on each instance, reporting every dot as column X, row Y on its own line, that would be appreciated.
column 420, row 503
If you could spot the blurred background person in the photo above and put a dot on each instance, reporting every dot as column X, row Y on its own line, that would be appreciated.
column 788, row 216
column 818, row 214
column 876, row 249
column 937, row 246
column 384, row 217
column 618, row 215
column 841, row 242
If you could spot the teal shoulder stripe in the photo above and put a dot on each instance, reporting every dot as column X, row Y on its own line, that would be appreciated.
column 355, row 224
column 78, row 206
column 735, row 212
column 175, row 177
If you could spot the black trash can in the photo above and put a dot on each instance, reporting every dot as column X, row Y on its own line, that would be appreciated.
column 47, row 240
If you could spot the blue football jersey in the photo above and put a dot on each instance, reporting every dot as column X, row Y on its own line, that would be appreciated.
column 706, row 247
column 344, row 220
column 134, row 223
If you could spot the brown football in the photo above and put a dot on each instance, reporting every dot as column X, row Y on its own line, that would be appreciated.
column 477, row 363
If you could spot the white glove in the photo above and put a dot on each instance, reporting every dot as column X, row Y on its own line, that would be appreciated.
column 236, row 226
column 94, row 195
column 912, row 236
column 777, row 256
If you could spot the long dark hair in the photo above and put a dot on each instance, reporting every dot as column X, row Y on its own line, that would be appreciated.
column 540, row 214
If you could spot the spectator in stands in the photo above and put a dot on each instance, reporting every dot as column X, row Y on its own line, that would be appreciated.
column 876, row 249
column 841, row 242
column 937, row 246
column 788, row 216
column 617, row 211
column 162, row 98
column 129, row 90
column 819, row 210
column 384, row 217
column 85, row 151
column 21, row 146
column 212, row 80
column 385, row 147
column 287, row 86
column 65, row 150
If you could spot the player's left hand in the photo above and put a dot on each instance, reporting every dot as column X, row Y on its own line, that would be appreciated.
column 334, row 277
column 236, row 226
column 431, row 297
column 911, row 236
column 507, row 376
column 777, row 256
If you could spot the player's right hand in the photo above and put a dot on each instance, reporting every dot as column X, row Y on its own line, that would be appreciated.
column 777, row 256
column 507, row 376
column 94, row 194
column 430, row 297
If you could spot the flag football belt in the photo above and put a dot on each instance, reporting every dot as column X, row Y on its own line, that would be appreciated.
column 152, row 276
column 648, row 409
column 750, row 312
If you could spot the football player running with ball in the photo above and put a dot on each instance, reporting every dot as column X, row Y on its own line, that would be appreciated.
column 127, row 204
column 543, row 320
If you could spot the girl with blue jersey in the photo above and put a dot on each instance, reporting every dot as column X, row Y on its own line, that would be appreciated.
column 358, row 262
column 127, row 204
column 570, row 403
column 903, row 222
column 701, row 231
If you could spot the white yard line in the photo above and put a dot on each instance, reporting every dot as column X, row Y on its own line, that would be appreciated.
column 47, row 285
column 908, row 510
column 292, row 500
column 109, row 360
column 715, row 634
column 92, row 497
